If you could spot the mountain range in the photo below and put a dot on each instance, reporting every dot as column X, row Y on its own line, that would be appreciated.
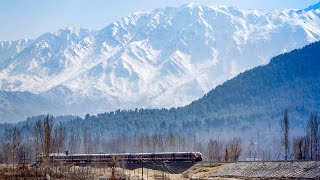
column 163, row 58
column 250, row 106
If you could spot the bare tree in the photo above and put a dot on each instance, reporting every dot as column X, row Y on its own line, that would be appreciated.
column 61, row 137
column 1, row 154
column 14, row 141
column 97, row 143
column 285, row 131
column 86, row 142
column 226, row 154
column 235, row 149
column 54, row 140
column 305, row 147
column 313, row 135
column 37, row 134
column 74, row 142
column 298, row 144
column 157, row 142
column 47, row 127
column 213, row 150
column 171, row 142
column 6, row 152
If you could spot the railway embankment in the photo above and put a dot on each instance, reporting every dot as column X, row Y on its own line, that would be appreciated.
column 271, row 170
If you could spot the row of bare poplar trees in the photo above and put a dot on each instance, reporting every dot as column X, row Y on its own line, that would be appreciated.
column 305, row 147
column 19, row 149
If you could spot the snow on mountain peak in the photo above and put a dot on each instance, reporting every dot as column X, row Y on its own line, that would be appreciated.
column 162, row 58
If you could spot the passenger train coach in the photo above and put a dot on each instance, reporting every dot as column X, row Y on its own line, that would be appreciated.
column 124, row 157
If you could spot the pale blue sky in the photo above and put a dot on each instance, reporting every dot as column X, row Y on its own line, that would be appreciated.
column 31, row 18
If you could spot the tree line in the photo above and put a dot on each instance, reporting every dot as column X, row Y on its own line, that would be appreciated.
column 47, row 137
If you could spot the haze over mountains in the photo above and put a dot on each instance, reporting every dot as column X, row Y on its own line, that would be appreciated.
column 252, row 103
column 164, row 58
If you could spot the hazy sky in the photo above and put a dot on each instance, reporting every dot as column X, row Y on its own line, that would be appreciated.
column 31, row 18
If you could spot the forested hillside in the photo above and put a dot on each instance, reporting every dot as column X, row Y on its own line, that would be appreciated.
column 290, row 81
column 253, row 99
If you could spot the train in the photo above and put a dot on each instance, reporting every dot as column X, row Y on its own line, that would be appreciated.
column 66, row 158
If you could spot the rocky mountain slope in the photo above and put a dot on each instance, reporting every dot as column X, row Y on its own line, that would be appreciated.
column 163, row 58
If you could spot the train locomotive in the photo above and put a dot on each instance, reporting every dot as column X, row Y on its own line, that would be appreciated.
column 65, row 158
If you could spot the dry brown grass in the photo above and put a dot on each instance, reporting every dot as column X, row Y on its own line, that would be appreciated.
column 203, row 171
column 198, row 171
column 27, row 172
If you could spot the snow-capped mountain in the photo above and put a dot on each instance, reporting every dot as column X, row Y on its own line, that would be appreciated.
column 163, row 58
